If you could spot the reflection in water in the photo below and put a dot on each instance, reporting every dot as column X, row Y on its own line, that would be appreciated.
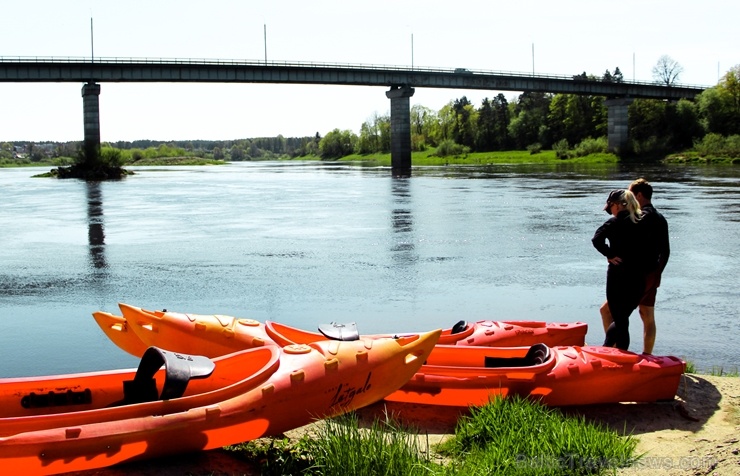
column 402, row 221
column 95, row 230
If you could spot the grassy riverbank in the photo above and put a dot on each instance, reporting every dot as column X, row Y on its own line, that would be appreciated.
column 483, row 158
column 425, row 158
column 486, row 440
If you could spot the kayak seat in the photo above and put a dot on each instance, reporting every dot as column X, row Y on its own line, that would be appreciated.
column 179, row 370
column 536, row 355
column 335, row 331
column 459, row 327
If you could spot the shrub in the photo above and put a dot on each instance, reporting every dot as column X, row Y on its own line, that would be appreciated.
column 561, row 149
column 111, row 157
column 590, row 146
column 652, row 146
column 716, row 145
column 710, row 144
column 449, row 148
column 733, row 145
column 535, row 148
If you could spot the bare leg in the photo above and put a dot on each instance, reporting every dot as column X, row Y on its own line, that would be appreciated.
column 647, row 313
column 606, row 315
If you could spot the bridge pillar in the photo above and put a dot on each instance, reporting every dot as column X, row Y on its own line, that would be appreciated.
column 91, row 120
column 617, row 124
column 400, row 130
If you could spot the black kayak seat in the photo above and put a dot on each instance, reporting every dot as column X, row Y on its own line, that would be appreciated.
column 537, row 354
column 459, row 327
column 179, row 370
column 336, row 331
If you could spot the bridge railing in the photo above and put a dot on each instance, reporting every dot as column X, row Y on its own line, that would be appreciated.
column 299, row 64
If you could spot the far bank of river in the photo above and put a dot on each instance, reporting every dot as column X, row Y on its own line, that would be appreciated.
column 425, row 158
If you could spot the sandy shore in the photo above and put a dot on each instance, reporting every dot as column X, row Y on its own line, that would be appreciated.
column 696, row 434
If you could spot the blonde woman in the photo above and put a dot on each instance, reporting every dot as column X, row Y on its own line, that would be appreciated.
column 620, row 240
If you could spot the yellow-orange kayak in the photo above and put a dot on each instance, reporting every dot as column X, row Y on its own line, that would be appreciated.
column 210, row 335
column 557, row 376
column 118, row 331
column 177, row 403
column 214, row 335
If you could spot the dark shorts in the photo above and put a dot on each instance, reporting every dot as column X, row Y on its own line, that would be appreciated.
column 652, row 282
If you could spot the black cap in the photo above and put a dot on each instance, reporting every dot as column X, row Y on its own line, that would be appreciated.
column 614, row 196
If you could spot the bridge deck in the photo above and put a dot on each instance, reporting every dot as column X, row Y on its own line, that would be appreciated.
column 222, row 71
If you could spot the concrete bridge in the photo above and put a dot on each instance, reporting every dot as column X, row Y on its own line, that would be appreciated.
column 401, row 82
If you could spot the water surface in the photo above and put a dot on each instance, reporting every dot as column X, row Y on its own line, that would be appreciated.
column 310, row 243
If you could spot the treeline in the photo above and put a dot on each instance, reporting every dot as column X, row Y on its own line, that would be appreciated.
column 563, row 122
column 569, row 124
column 261, row 148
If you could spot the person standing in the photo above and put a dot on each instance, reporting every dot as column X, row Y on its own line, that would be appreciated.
column 657, row 251
column 620, row 240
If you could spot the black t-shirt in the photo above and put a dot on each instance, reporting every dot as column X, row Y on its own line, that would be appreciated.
column 619, row 236
column 657, row 244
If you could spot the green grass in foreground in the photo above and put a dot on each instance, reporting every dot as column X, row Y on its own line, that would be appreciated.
column 508, row 436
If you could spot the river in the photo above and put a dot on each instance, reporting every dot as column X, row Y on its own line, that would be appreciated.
column 307, row 243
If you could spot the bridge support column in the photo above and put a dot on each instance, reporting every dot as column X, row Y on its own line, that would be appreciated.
column 91, row 120
column 400, row 130
column 617, row 124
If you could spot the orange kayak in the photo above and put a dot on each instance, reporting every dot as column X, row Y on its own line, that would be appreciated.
column 209, row 335
column 176, row 403
column 214, row 335
column 557, row 376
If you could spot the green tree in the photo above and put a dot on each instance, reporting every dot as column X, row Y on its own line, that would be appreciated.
column 424, row 126
column 446, row 125
column 236, row 153
column 528, row 123
column 658, row 127
column 684, row 123
column 384, row 126
column 617, row 76
column 731, row 84
column 502, row 118
column 719, row 107
column 374, row 135
column 6, row 151
column 337, row 144
column 218, row 154
column 463, row 131
column 557, row 118
column 715, row 111
column 486, row 128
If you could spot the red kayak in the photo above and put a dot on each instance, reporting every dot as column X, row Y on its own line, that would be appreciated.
column 556, row 376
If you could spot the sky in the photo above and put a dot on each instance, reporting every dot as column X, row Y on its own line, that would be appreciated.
column 563, row 37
